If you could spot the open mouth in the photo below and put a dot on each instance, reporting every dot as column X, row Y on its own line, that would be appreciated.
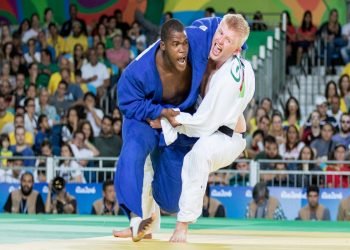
column 181, row 60
column 216, row 49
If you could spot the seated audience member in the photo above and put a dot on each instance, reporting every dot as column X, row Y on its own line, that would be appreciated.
column 22, row 148
column 58, row 200
column 212, row 207
column 241, row 178
column 257, row 144
column 108, row 204
column 25, row 200
column 313, row 210
column 70, row 170
column 325, row 144
column 343, row 137
column 263, row 205
column 344, row 210
column 291, row 148
column 338, row 181
column 14, row 169
column 312, row 128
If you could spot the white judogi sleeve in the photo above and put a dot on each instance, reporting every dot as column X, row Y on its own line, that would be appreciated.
column 229, row 93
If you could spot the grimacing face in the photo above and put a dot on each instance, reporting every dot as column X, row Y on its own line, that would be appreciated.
column 176, row 48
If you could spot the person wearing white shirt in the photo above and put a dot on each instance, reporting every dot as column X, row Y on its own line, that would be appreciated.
column 95, row 73
column 93, row 115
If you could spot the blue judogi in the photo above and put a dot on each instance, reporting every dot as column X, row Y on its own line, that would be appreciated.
column 140, row 98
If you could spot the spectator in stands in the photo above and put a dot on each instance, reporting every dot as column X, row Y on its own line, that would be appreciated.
column 117, row 127
column 306, row 154
column 321, row 106
column 15, row 169
column 253, row 121
column 32, row 56
column 70, row 170
column 44, row 132
column 292, row 113
column 212, row 207
column 291, row 148
column 330, row 32
column 46, row 68
column 82, row 148
column 55, row 40
column 5, row 89
column 306, row 35
column 136, row 36
column 68, row 26
column 59, row 100
column 30, row 118
column 45, row 158
column 23, row 27
column 43, row 45
column 5, row 116
column 118, row 55
column 108, row 204
column 345, row 51
column 104, row 141
column 334, row 109
column 266, row 104
column 96, row 74
column 276, row 129
column 8, row 51
column 123, row 26
column 6, row 76
column 58, row 200
column 75, row 91
column 102, row 57
column 10, row 129
column 280, row 180
column 338, row 181
column 19, row 91
column 344, row 210
column 209, row 12
column 343, row 137
column 48, row 18
column 22, row 148
column 86, row 128
column 25, row 200
column 34, row 29
column 257, row 144
column 312, row 128
column 264, row 124
column 344, row 88
column 56, row 77
column 93, row 114
column 77, row 37
column 78, row 60
column 71, row 126
column 240, row 179
column 264, row 206
column 313, row 210
column 270, row 153
column 325, row 144
column 42, row 106
column 5, row 35
column 258, row 22
column 291, row 37
column 5, row 152
column 112, row 29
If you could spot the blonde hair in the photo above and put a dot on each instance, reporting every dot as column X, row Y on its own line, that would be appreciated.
column 237, row 23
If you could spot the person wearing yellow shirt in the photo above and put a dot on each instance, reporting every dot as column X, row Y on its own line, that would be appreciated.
column 75, row 38
column 56, row 78
column 5, row 152
column 5, row 117
column 55, row 40
column 28, row 138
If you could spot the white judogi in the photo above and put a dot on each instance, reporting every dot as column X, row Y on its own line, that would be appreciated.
column 230, row 90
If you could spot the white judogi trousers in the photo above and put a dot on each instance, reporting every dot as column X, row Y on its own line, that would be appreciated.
column 209, row 154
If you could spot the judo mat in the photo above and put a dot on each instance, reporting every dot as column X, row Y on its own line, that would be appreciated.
column 39, row 232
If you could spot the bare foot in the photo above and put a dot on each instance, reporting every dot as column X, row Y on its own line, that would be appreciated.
column 126, row 233
column 180, row 232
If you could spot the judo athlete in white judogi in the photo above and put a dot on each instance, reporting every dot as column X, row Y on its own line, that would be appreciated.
column 228, row 92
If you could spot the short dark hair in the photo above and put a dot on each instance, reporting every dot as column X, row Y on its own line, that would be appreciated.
column 169, row 27
column 312, row 188
column 106, row 184
column 87, row 94
column 108, row 117
column 270, row 139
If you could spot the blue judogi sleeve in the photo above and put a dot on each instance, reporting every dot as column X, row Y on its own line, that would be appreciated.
column 139, row 88
column 134, row 101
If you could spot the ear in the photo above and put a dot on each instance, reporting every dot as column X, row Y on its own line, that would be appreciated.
column 162, row 45
column 237, row 51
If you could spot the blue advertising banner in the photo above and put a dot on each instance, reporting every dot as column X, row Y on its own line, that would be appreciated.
column 234, row 199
